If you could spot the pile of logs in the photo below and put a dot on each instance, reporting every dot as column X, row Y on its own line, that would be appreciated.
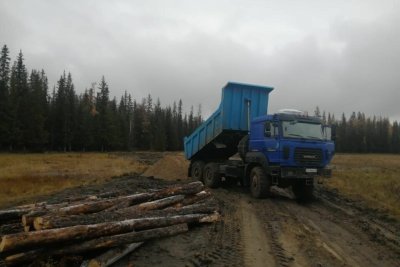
column 108, row 224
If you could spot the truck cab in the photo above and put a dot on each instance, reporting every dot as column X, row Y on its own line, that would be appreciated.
column 293, row 149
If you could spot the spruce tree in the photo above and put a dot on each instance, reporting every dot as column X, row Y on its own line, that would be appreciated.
column 37, row 132
column 104, row 119
column 19, row 104
column 5, row 119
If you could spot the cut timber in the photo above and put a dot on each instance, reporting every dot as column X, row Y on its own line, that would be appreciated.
column 11, row 228
column 50, row 221
column 44, row 208
column 27, row 219
column 12, row 214
column 113, row 255
column 191, row 199
column 100, row 205
column 19, row 241
column 96, row 206
column 156, row 204
column 47, row 222
column 99, row 243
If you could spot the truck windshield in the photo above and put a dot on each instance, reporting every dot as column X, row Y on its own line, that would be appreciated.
column 296, row 129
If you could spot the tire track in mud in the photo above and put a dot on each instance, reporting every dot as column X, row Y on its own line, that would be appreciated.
column 310, row 234
column 339, row 236
column 257, row 247
column 379, row 230
column 225, row 246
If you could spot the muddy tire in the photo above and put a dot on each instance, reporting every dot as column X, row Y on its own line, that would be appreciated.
column 259, row 183
column 197, row 169
column 303, row 192
column 211, row 176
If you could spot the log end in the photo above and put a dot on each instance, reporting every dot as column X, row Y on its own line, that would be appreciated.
column 215, row 217
column 38, row 223
column 94, row 263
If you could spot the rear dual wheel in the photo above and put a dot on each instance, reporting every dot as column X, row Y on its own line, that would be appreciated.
column 197, row 169
column 211, row 175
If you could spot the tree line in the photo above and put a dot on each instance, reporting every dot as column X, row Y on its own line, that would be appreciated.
column 361, row 134
column 34, row 119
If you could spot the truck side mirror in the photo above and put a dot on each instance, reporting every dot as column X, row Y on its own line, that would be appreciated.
column 327, row 131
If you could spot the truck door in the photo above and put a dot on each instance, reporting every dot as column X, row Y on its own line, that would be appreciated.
column 271, row 141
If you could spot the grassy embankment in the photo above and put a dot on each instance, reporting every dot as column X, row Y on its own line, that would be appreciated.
column 374, row 178
column 26, row 175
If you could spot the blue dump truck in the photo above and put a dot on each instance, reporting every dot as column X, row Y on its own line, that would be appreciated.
column 240, row 142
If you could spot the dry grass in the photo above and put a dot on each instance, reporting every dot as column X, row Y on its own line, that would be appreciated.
column 371, row 177
column 26, row 175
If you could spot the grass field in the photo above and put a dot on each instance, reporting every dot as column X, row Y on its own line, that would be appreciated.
column 374, row 178
column 26, row 175
column 370, row 177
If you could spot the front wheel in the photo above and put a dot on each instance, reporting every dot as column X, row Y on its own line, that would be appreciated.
column 211, row 175
column 259, row 183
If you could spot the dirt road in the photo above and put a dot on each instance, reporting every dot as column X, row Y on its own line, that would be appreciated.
column 278, row 231
column 330, row 231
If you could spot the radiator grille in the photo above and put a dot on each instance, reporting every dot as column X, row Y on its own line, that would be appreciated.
column 308, row 156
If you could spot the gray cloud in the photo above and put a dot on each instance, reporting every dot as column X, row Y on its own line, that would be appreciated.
column 343, row 56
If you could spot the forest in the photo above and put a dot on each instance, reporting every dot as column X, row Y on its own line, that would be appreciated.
column 36, row 119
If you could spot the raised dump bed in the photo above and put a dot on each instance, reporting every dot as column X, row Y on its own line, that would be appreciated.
column 220, row 134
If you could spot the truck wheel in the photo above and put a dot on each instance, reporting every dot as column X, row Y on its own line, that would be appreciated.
column 196, row 170
column 259, row 183
column 303, row 192
column 211, row 176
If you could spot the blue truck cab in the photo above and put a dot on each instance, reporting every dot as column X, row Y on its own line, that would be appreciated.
column 286, row 149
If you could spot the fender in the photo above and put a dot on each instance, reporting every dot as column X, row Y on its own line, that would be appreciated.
column 257, row 157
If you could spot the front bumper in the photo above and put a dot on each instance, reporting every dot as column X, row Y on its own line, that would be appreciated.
column 302, row 172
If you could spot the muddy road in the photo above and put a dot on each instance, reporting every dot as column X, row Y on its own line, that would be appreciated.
column 330, row 231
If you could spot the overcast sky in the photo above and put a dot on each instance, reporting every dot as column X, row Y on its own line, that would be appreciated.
column 341, row 55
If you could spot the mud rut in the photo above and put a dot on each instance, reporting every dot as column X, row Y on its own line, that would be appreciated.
column 330, row 231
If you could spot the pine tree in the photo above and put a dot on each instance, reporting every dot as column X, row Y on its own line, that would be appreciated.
column 5, row 116
column 19, row 104
column 37, row 132
column 64, row 114
column 104, row 116
column 395, row 140
column 159, row 138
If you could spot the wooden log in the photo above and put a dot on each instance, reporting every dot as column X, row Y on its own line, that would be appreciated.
column 98, row 243
column 27, row 219
column 88, row 202
column 47, row 222
column 18, row 241
column 155, row 204
column 50, row 222
column 96, row 206
column 100, row 205
column 113, row 255
column 40, row 210
column 191, row 199
column 11, row 228
column 13, row 213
